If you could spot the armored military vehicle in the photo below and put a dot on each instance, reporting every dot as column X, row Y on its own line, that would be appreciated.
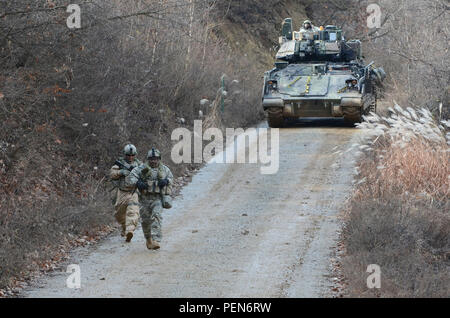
column 319, row 74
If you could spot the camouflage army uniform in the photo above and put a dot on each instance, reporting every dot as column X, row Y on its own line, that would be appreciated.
column 309, row 33
column 150, row 199
column 126, row 202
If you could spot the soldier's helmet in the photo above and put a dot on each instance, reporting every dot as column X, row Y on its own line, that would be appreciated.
column 154, row 153
column 130, row 150
column 307, row 22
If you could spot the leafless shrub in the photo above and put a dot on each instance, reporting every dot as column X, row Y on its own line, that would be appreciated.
column 30, row 231
column 409, row 241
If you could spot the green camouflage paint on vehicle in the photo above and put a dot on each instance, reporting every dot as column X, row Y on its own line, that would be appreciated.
column 319, row 74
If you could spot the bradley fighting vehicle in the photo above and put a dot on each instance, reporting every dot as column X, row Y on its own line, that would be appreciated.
column 319, row 75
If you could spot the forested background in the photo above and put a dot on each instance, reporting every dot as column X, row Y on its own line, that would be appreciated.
column 137, row 69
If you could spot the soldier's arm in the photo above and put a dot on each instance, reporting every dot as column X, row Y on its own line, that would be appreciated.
column 169, row 175
column 115, row 173
column 132, row 178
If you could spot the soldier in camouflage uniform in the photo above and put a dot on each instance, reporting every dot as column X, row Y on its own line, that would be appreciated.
column 309, row 30
column 126, row 202
column 154, row 181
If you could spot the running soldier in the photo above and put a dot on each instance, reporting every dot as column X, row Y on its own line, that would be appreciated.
column 154, row 181
column 126, row 202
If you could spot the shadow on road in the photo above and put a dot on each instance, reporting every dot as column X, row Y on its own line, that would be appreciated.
column 318, row 123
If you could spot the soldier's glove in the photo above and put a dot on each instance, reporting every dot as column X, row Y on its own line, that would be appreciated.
column 162, row 183
column 124, row 172
column 141, row 185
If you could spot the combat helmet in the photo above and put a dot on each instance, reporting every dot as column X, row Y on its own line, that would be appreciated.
column 307, row 22
column 130, row 150
column 154, row 153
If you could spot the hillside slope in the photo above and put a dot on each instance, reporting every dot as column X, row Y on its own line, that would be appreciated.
column 252, row 28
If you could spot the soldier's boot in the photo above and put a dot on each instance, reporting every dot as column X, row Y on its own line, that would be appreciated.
column 149, row 243
column 152, row 245
column 156, row 245
column 122, row 231
column 129, row 237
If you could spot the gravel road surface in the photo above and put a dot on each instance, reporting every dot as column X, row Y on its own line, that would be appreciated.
column 234, row 232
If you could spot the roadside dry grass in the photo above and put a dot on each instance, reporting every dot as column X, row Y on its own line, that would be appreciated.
column 398, row 217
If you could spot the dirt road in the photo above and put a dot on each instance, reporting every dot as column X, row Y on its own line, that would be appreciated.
column 234, row 232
